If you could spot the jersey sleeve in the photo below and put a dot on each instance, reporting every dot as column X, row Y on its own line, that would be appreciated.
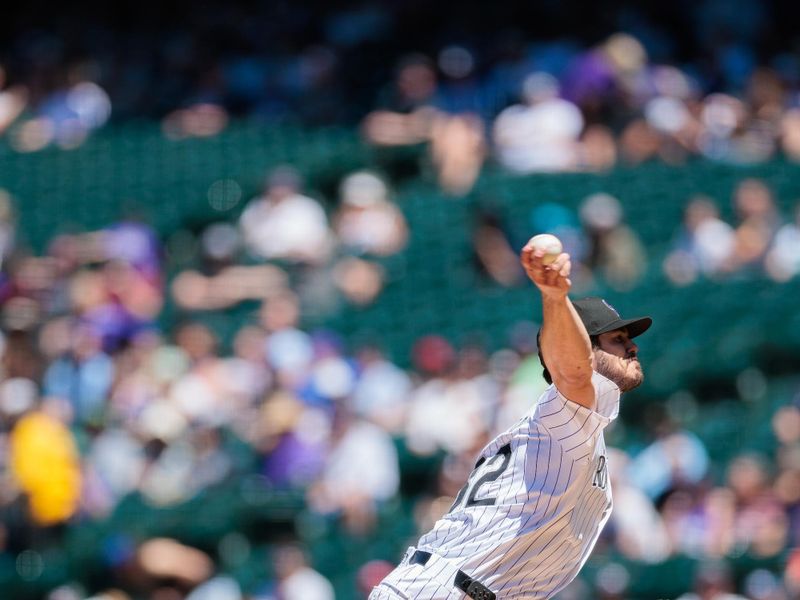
column 573, row 426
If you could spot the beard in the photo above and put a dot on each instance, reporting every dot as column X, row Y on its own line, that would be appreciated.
column 625, row 372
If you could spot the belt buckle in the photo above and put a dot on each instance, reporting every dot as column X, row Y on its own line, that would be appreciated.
column 477, row 591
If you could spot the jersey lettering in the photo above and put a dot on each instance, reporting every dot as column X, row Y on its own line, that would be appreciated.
column 503, row 457
column 600, row 478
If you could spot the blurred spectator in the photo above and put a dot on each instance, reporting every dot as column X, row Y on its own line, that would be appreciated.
column 117, row 289
column 232, row 285
column 219, row 282
column 639, row 142
column 83, row 376
column 541, row 134
column 65, row 116
column 371, row 574
column 382, row 391
column 204, row 393
column 518, row 371
column 703, row 245
column 293, row 439
column 457, row 151
column 699, row 522
column 296, row 580
column 638, row 529
column 359, row 280
column 759, row 221
column 713, row 581
column 414, row 86
column 114, row 465
column 783, row 259
column 165, row 562
column 199, row 120
column 367, row 222
column 133, row 269
column 669, row 114
column 7, row 227
column 12, row 101
column 405, row 110
column 589, row 82
column 493, row 249
column 675, row 459
column 790, row 134
column 731, row 135
column 615, row 250
column 761, row 524
column 792, row 574
column 597, row 150
column 280, row 311
column 361, row 470
column 446, row 412
column 284, row 224
column 217, row 588
column 418, row 110
column 43, row 459
column 461, row 90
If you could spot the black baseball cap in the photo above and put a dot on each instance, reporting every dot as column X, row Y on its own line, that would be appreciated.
column 599, row 316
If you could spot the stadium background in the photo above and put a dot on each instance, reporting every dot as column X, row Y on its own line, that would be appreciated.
column 188, row 412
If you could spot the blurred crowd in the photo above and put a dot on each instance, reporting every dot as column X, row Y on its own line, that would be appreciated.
column 114, row 385
column 762, row 240
column 663, row 84
column 100, row 400
column 759, row 241
column 558, row 108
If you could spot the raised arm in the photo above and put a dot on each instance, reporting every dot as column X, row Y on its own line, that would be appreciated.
column 564, row 343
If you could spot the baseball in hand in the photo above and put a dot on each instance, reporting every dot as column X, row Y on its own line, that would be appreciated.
column 549, row 244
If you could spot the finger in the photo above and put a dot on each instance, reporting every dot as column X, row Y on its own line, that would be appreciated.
column 528, row 245
column 566, row 269
column 533, row 259
column 559, row 262
column 536, row 253
column 528, row 248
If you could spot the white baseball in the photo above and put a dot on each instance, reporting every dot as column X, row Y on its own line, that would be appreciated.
column 549, row 244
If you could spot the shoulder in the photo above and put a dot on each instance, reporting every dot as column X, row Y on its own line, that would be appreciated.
column 573, row 424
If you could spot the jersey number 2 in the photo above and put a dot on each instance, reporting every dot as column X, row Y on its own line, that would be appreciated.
column 471, row 488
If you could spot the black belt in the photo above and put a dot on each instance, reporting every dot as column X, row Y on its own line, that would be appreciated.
column 474, row 589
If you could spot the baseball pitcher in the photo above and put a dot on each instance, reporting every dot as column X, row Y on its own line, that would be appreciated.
column 531, row 511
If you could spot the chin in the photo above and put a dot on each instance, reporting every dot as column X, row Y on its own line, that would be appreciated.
column 631, row 378
column 630, row 383
column 628, row 375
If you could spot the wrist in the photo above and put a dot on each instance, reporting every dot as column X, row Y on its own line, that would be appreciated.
column 553, row 295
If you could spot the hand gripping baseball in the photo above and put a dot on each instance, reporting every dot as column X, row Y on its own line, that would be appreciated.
column 551, row 279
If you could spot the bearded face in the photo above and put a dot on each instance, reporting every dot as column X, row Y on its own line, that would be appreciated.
column 615, row 359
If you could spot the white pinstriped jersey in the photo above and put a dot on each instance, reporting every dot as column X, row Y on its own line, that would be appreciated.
column 530, row 513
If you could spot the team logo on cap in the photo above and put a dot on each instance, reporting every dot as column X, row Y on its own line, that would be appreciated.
column 614, row 310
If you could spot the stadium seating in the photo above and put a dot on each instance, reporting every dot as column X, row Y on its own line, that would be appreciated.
column 705, row 335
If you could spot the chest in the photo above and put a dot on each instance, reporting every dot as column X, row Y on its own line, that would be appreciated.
column 560, row 479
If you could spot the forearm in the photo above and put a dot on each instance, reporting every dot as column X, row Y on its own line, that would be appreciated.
column 565, row 345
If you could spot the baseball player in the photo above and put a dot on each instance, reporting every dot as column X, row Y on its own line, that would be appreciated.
column 531, row 511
